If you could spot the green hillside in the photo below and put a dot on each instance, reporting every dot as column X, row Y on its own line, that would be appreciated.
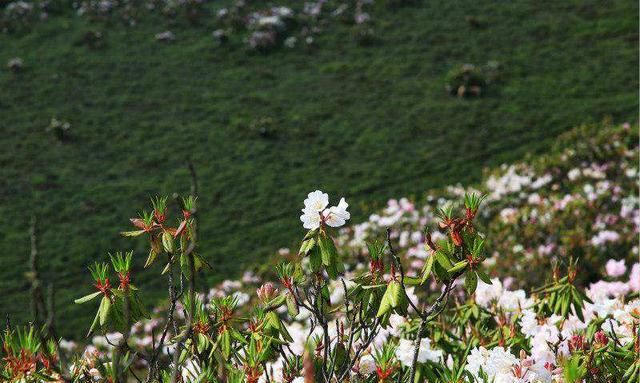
column 367, row 121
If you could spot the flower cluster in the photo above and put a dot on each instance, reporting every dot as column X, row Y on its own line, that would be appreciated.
column 316, row 213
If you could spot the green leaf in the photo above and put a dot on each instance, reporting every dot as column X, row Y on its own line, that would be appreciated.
column 105, row 307
column 167, row 242
column 340, row 357
column 395, row 294
column 385, row 302
column 457, row 267
column 315, row 259
column 332, row 270
column 328, row 250
column 200, row 262
column 235, row 334
column 471, row 282
column 134, row 233
column 310, row 233
column 412, row 281
column 443, row 260
column 292, row 307
column 426, row 269
column 441, row 272
column 87, row 298
column 202, row 343
column 564, row 308
column 577, row 304
column 307, row 245
column 152, row 257
column 94, row 323
column 276, row 302
column 225, row 343
column 483, row 276
column 324, row 292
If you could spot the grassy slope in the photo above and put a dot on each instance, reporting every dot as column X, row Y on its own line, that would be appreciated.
column 364, row 122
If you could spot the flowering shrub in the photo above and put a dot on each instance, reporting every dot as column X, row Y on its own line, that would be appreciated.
column 15, row 64
column 261, row 28
column 17, row 15
column 336, row 316
column 580, row 202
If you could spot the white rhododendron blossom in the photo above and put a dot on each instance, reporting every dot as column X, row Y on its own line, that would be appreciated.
column 497, row 363
column 315, row 211
column 405, row 351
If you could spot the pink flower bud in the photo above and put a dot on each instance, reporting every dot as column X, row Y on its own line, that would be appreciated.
column 267, row 292
column 601, row 338
column 576, row 343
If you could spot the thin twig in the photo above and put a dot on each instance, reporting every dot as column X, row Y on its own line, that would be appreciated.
column 191, row 280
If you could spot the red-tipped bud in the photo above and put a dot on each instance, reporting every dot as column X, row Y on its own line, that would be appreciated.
column 159, row 216
column 104, row 287
column 125, row 280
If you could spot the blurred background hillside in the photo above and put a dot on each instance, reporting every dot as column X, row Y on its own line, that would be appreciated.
column 103, row 101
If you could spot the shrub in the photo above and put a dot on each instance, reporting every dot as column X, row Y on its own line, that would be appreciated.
column 466, row 81
column 59, row 129
column 334, row 318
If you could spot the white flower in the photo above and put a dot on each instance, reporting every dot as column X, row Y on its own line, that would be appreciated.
column 241, row 297
column 270, row 21
column 367, row 365
column 497, row 363
column 486, row 293
column 615, row 268
column 316, row 201
column 573, row 174
column 68, row 345
column 513, row 300
column 166, row 36
column 315, row 211
column 299, row 379
column 476, row 360
column 338, row 215
column 405, row 350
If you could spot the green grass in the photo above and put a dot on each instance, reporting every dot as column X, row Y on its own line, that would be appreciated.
column 367, row 123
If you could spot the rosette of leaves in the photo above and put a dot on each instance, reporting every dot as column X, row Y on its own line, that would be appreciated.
column 462, row 251
column 387, row 367
column 175, row 241
column 222, row 311
column 201, row 328
column 563, row 297
column 119, row 306
column 25, row 358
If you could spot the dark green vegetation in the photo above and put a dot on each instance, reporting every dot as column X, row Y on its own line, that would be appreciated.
column 367, row 123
